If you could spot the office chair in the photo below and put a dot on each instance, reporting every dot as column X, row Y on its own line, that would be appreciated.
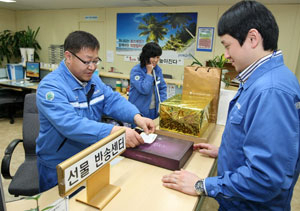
column 2, row 198
column 11, row 99
column 25, row 181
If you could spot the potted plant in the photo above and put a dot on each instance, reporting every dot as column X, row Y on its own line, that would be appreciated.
column 196, row 61
column 26, row 40
column 6, row 40
column 10, row 44
column 32, row 43
column 36, row 198
column 219, row 62
column 225, row 80
column 19, row 44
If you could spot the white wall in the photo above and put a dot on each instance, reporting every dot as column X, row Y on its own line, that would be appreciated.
column 57, row 24
column 7, row 20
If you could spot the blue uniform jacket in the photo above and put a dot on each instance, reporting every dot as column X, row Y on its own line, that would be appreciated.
column 141, row 89
column 258, row 161
column 64, row 114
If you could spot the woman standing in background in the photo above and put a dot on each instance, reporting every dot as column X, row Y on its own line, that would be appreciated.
column 147, row 85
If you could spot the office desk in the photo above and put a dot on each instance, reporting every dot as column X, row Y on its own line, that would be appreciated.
column 141, row 186
column 19, row 84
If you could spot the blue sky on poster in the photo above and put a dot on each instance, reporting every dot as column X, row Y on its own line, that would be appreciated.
column 127, row 27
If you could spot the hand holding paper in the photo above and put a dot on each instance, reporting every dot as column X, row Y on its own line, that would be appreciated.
column 149, row 139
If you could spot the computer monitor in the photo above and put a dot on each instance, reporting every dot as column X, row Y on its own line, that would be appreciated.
column 33, row 71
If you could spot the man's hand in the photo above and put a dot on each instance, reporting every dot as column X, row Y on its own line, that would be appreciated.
column 145, row 123
column 207, row 149
column 133, row 139
column 183, row 181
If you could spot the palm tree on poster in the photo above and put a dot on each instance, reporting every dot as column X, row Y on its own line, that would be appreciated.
column 178, row 20
column 153, row 29
column 174, row 44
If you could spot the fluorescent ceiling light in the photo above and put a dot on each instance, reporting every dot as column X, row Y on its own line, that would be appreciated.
column 8, row 1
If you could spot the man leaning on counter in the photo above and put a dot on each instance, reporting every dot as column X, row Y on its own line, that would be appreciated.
column 71, row 101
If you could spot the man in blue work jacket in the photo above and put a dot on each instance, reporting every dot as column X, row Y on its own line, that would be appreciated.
column 258, row 160
column 71, row 101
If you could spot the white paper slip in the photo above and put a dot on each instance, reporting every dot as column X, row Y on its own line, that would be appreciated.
column 148, row 138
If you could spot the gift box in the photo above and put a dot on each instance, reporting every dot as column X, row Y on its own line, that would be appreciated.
column 186, row 114
column 166, row 152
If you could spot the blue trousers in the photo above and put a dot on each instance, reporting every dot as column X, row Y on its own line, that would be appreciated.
column 47, row 177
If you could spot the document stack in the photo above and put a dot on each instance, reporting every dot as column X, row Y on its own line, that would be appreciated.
column 15, row 71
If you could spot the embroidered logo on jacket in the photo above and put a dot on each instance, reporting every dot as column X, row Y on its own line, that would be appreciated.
column 50, row 96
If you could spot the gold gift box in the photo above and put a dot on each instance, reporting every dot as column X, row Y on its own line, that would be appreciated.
column 187, row 115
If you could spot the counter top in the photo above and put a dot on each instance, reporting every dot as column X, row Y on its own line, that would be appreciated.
column 141, row 186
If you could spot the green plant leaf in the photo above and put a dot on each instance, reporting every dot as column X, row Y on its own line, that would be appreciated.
column 10, row 44
column 196, row 61
column 6, row 39
column 217, row 61
column 226, row 80
column 35, row 197
column 47, row 208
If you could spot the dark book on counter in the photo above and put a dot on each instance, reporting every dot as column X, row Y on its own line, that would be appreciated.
column 166, row 152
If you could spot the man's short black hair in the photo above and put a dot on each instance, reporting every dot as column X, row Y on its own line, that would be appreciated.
column 78, row 40
column 246, row 15
column 151, row 49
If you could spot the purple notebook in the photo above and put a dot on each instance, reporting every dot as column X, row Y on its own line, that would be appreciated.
column 167, row 152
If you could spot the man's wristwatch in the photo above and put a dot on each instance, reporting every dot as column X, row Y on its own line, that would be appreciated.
column 199, row 187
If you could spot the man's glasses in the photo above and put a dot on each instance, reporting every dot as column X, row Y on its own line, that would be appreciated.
column 96, row 62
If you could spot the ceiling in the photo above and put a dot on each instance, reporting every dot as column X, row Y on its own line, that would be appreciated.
column 75, row 4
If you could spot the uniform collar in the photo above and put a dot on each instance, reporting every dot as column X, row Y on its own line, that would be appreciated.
column 83, row 84
column 245, row 74
column 263, row 66
column 72, row 80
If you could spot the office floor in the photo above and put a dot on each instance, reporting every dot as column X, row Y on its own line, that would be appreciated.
column 8, row 132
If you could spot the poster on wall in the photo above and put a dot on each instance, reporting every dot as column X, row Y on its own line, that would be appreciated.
column 174, row 32
column 205, row 38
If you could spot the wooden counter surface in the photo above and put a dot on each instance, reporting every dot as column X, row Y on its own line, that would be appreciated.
column 141, row 186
